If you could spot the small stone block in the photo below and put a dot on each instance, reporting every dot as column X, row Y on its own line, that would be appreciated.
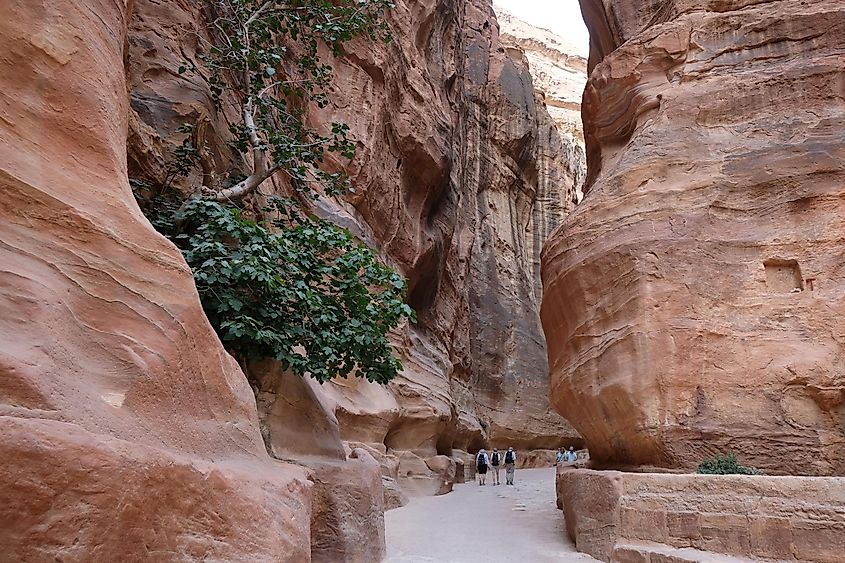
column 684, row 528
column 771, row 538
column 726, row 533
column 647, row 525
column 630, row 554
column 818, row 541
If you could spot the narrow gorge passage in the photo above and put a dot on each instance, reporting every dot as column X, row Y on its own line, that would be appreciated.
column 483, row 524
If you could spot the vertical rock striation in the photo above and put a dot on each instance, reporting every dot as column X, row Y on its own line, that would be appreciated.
column 694, row 301
column 559, row 75
column 127, row 431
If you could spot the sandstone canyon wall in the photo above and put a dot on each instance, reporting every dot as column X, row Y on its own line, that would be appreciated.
column 457, row 164
column 127, row 431
column 694, row 301
column 559, row 75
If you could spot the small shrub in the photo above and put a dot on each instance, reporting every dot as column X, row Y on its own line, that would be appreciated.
column 726, row 464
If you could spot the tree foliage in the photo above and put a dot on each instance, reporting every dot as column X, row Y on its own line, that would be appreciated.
column 296, row 288
column 726, row 464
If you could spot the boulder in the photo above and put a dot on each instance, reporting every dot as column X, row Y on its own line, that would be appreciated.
column 394, row 496
column 347, row 521
column 693, row 301
column 295, row 420
column 425, row 477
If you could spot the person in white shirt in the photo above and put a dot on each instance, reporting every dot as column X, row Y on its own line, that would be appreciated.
column 482, row 462
column 571, row 456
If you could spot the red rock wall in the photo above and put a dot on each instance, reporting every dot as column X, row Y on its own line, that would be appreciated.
column 694, row 302
column 127, row 432
column 452, row 147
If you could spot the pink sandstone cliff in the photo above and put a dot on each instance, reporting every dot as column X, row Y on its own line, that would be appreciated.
column 694, row 301
column 127, row 431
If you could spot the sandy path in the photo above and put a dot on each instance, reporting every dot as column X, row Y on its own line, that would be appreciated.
column 483, row 524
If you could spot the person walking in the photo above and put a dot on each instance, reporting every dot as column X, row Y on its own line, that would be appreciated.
column 510, row 462
column 559, row 456
column 571, row 456
column 482, row 462
column 495, row 463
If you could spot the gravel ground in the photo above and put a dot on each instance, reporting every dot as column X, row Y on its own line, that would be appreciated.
column 483, row 524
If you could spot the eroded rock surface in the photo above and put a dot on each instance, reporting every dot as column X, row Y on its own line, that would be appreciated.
column 347, row 523
column 694, row 301
column 127, row 432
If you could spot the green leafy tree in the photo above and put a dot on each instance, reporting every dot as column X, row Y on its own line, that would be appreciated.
column 726, row 464
column 296, row 288
column 270, row 50
column 291, row 287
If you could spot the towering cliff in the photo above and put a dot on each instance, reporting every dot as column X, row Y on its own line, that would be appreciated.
column 126, row 431
column 559, row 75
column 694, row 301
column 558, row 68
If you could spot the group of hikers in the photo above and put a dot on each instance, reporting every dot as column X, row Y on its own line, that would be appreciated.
column 566, row 456
column 493, row 462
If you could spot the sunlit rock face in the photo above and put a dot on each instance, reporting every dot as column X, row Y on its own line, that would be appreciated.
column 694, row 301
column 558, row 69
column 459, row 176
column 126, row 431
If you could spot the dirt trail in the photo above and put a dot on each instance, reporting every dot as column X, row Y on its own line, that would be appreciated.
column 485, row 524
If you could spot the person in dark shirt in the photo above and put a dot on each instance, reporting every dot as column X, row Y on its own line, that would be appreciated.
column 495, row 463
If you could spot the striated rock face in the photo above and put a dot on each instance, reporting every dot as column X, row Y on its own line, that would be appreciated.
column 459, row 177
column 694, row 301
column 559, row 71
column 347, row 523
column 559, row 75
column 452, row 146
column 127, row 432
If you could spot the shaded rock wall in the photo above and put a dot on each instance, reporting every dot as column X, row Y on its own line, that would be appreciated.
column 694, row 301
column 559, row 75
column 452, row 150
column 127, row 432
column 455, row 159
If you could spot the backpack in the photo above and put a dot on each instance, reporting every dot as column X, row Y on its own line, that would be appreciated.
column 481, row 460
column 509, row 457
column 496, row 458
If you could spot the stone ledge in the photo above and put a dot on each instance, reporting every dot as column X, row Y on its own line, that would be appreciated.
column 783, row 518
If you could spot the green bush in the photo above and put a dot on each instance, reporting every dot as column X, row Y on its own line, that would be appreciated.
column 726, row 464
column 296, row 288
